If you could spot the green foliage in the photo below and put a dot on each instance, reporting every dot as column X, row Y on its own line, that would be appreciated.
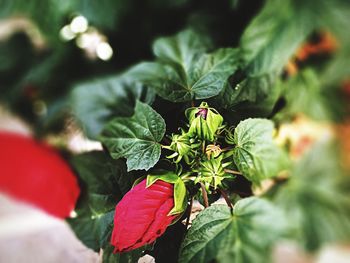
column 183, row 71
column 315, row 201
column 255, row 153
column 266, row 46
column 104, row 182
column 136, row 138
column 105, row 14
column 97, row 102
column 303, row 95
column 246, row 235
column 239, row 69
column 49, row 24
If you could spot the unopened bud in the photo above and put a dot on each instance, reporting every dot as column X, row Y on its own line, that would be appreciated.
column 204, row 122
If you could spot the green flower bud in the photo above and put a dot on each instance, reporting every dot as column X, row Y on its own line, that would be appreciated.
column 204, row 122
column 211, row 172
column 184, row 147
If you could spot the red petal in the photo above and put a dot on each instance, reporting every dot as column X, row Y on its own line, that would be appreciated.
column 142, row 210
column 35, row 173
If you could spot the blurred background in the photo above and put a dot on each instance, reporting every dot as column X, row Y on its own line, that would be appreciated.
column 50, row 48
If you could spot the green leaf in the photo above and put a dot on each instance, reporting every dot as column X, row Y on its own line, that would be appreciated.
column 183, row 71
column 180, row 191
column 104, row 14
column 136, row 138
column 255, row 153
column 333, row 16
column 266, row 46
column 97, row 102
column 246, row 235
column 303, row 95
column 49, row 24
column 267, row 43
column 182, row 49
column 104, row 181
column 316, row 200
column 209, row 75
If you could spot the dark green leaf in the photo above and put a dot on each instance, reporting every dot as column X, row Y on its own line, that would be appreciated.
column 266, row 46
column 255, row 153
column 104, row 181
column 136, row 138
column 267, row 43
column 316, row 203
column 183, row 71
column 182, row 49
column 211, row 72
column 48, row 16
column 105, row 14
column 97, row 102
column 246, row 235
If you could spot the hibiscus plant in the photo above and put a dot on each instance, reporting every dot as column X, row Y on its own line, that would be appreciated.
column 202, row 124
column 212, row 142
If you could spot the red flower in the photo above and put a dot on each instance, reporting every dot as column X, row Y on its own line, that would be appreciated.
column 35, row 173
column 142, row 215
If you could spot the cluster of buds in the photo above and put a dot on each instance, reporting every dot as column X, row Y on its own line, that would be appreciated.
column 201, row 147
column 184, row 147
column 151, row 206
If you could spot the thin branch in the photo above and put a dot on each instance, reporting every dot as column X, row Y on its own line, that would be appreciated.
column 227, row 149
column 205, row 196
column 229, row 171
column 189, row 213
column 225, row 196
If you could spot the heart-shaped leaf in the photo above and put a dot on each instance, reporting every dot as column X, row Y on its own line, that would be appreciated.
column 244, row 236
column 255, row 153
column 97, row 102
column 184, row 71
column 136, row 138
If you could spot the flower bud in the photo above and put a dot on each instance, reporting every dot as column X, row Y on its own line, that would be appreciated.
column 204, row 122
column 212, row 151
column 184, row 147
column 211, row 172
column 142, row 215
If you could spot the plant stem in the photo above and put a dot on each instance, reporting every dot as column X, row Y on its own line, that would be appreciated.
column 225, row 196
column 189, row 213
column 226, row 149
column 205, row 196
column 229, row 171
